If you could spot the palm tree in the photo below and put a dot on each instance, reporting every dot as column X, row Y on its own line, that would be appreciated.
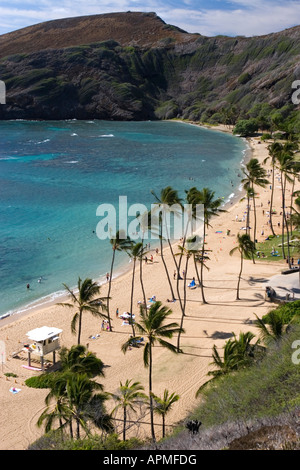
column 189, row 251
column 78, row 359
column 76, row 400
column 237, row 353
column 85, row 302
column 212, row 207
column 296, row 215
column 163, row 406
column 167, row 201
column 141, row 257
column 295, row 172
column 128, row 396
column 246, row 248
column 85, row 403
column 118, row 243
column 285, row 162
column 59, row 412
column 255, row 176
column 135, row 252
column 275, row 328
column 249, row 195
column 148, row 222
column 152, row 326
column 274, row 150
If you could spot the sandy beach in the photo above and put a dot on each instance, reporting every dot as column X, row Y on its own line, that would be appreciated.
column 205, row 325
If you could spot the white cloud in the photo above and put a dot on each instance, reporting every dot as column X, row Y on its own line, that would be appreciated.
column 250, row 22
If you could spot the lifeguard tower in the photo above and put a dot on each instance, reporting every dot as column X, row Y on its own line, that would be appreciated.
column 45, row 341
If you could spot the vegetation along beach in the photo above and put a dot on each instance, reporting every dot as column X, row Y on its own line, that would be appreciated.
column 185, row 343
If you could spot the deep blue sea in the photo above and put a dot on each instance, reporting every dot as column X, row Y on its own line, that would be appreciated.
column 55, row 174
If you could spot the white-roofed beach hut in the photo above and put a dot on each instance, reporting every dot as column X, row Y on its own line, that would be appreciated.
column 45, row 340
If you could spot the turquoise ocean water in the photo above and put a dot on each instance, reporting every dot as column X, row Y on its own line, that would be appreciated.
column 54, row 175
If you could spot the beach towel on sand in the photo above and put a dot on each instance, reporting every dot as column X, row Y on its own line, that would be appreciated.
column 14, row 390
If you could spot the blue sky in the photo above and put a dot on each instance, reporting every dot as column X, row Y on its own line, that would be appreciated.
column 210, row 18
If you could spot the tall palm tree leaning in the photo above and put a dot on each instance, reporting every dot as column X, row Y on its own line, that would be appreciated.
column 212, row 207
column 285, row 163
column 119, row 242
column 167, row 202
column 127, row 397
column 148, row 223
column 246, row 248
column 257, row 175
column 135, row 252
column 86, row 301
column 273, row 149
column 163, row 406
column 153, row 329
column 189, row 251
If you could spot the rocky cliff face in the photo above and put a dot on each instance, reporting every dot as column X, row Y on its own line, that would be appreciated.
column 132, row 66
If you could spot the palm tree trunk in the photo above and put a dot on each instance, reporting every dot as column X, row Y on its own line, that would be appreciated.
column 202, row 265
column 164, row 263
column 131, row 297
column 170, row 246
column 142, row 283
column 184, row 285
column 71, row 429
column 255, row 221
column 272, row 197
column 184, row 303
column 291, row 210
column 239, row 280
column 78, row 428
column 79, row 326
column 287, row 230
column 282, row 222
column 109, row 288
column 248, row 215
column 163, row 426
column 196, row 269
column 150, row 395
column 124, row 424
column 178, row 272
column 254, row 228
column 183, row 244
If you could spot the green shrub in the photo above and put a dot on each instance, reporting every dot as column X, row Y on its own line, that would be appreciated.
column 54, row 440
column 246, row 127
column 266, row 137
column 286, row 311
column 167, row 110
column 41, row 381
column 244, row 78
column 29, row 78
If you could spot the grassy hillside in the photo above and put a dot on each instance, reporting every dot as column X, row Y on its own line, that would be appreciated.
column 132, row 66
column 255, row 408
